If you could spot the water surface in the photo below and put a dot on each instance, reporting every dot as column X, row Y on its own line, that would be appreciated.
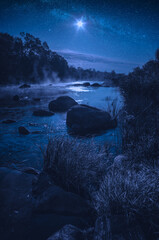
column 19, row 150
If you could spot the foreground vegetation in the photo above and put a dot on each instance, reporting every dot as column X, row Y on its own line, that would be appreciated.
column 126, row 189
column 140, row 121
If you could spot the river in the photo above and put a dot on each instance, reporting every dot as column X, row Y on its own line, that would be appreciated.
column 18, row 150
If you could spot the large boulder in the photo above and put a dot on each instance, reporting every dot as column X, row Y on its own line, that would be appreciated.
column 53, row 208
column 85, row 120
column 62, row 104
column 29, row 212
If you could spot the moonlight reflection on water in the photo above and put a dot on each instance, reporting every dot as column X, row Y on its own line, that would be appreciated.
column 25, row 150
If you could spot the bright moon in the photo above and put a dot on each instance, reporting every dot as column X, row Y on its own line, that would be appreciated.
column 80, row 23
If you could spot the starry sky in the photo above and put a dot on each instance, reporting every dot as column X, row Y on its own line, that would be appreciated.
column 117, row 35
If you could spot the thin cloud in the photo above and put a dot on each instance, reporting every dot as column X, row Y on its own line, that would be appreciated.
column 100, row 63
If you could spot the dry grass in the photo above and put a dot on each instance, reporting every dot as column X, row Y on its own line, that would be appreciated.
column 75, row 166
column 112, row 108
column 83, row 168
column 132, row 192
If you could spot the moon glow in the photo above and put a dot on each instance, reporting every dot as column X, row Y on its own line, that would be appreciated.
column 80, row 24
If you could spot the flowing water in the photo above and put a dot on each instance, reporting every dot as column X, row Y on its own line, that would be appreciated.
column 16, row 149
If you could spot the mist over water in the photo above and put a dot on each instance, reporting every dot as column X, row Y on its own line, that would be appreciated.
column 18, row 150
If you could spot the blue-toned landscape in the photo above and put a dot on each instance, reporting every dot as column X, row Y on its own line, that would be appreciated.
column 79, row 120
column 42, row 128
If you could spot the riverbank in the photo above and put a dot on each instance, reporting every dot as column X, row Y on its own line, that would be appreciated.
column 81, row 193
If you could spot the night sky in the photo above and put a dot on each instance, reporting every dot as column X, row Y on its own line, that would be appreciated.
column 117, row 34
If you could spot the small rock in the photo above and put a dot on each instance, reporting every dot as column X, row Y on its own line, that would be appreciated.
column 8, row 121
column 86, row 84
column 16, row 98
column 95, row 85
column 23, row 131
column 118, row 160
column 25, row 86
column 42, row 113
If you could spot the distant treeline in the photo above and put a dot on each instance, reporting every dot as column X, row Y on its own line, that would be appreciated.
column 27, row 59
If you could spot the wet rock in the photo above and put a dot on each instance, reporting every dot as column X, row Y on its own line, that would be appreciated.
column 16, row 98
column 42, row 113
column 23, row 131
column 86, row 84
column 8, row 121
column 70, row 232
column 85, row 120
column 96, row 85
column 62, row 104
column 25, row 86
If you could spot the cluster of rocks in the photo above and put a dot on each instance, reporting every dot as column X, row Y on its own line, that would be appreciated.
column 33, row 207
column 81, row 119
column 87, row 84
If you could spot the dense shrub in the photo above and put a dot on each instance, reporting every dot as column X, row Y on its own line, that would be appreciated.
column 133, row 192
column 75, row 166
column 140, row 122
column 129, row 190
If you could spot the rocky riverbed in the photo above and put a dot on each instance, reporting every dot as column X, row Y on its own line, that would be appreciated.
column 28, row 108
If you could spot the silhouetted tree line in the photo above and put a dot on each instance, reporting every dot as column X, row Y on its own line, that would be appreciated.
column 27, row 59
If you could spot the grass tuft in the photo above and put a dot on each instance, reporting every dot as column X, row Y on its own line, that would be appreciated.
column 75, row 166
